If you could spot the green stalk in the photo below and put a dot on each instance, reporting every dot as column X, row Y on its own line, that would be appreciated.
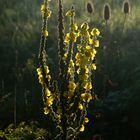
column 62, row 77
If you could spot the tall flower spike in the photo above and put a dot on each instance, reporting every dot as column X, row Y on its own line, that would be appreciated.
column 43, row 42
column 62, row 77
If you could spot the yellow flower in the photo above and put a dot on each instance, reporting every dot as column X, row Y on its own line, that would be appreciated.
column 39, row 71
column 82, row 128
column 47, row 92
column 80, row 106
column 78, row 71
column 86, row 97
column 73, row 36
column 86, row 70
column 93, row 66
column 42, row 8
column 48, row 77
column 70, row 94
column 46, row 111
column 65, row 56
column 95, row 31
column 86, row 120
column 47, row 69
column 96, row 43
column 88, row 86
column 70, row 13
column 75, row 26
column 72, row 86
column 71, row 63
column 49, row 101
column 85, row 77
column 46, row 33
column 90, row 54
column 94, row 51
column 90, row 41
column 41, row 81
column 49, row 12
column 85, row 26
column 87, row 47
column 67, row 38
column 78, row 58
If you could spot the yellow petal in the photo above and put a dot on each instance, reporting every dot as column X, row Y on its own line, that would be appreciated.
column 86, row 120
column 80, row 106
column 82, row 128
column 46, row 33
column 46, row 111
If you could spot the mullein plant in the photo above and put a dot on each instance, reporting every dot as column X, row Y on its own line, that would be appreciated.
column 66, row 100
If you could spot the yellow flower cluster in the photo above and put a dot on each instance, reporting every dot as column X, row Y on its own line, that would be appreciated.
column 71, row 87
column 40, row 74
column 70, row 13
column 86, row 120
column 72, row 35
column 47, row 93
column 84, row 62
column 44, row 9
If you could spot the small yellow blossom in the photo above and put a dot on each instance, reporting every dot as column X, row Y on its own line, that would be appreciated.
column 90, row 41
column 88, row 86
column 71, row 63
column 90, row 54
column 47, row 92
column 78, row 71
column 67, row 38
column 75, row 26
column 48, row 77
column 82, row 128
column 86, row 120
column 73, row 36
column 95, row 31
column 93, row 66
column 42, row 8
column 46, row 111
column 65, row 56
column 41, row 81
column 70, row 13
column 39, row 72
column 47, row 69
column 49, row 12
column 86, row 70
column 87, row 47
column 46, row 33
column 80, row 106
column 85, row 77
column 85, row 26
column 96, row 43
column 86, row 97
column 49, row 101
column 70, row 94
column 72, row 86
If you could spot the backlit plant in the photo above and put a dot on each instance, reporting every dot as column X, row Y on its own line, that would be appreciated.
column 66, row 100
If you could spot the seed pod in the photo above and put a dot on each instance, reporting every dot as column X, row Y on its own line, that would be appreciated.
column 89, row 8
column 107, row 13
column 126, row 7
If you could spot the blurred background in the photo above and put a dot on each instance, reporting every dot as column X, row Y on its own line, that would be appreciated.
column 115, row 114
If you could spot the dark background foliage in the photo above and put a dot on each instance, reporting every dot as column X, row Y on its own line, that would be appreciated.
column 115, row 114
